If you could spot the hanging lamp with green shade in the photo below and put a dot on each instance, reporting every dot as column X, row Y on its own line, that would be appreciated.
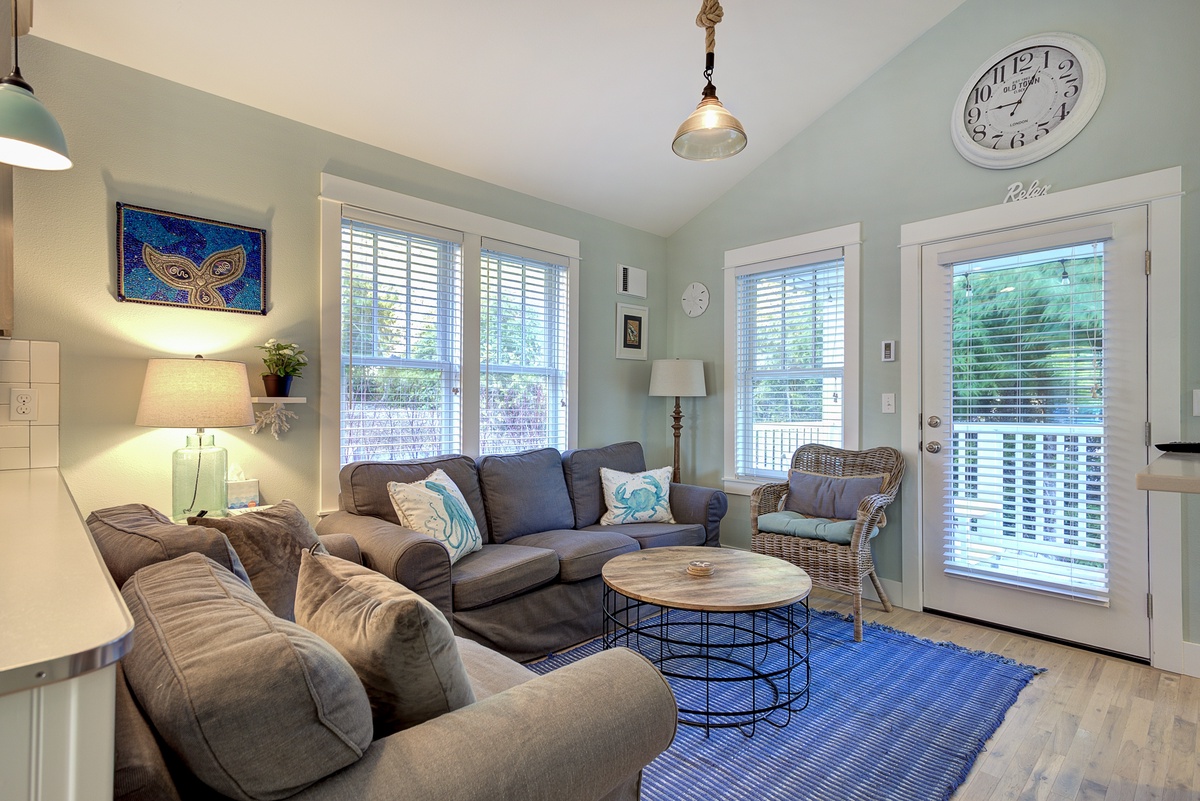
column 29, row 134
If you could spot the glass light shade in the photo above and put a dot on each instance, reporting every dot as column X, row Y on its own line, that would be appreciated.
column 709, row 133
column 29, row 134
column 198, row 479
column 683, row 378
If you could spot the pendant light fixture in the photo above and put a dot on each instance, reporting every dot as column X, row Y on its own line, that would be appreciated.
column 29, row 134
column 710, row 132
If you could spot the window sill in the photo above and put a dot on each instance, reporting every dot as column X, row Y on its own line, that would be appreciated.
column 745, row 486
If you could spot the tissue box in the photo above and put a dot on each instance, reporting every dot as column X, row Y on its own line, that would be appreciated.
column 242, row 494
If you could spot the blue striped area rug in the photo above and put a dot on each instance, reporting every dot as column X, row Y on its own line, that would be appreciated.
column 893, row 718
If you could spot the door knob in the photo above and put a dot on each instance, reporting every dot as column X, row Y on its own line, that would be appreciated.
column 934, row 447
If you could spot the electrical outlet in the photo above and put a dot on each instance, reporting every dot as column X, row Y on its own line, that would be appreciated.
column 23, row 404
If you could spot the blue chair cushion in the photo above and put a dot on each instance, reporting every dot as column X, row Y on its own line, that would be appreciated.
column 794, row 524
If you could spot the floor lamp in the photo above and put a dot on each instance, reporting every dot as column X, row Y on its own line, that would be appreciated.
column 681, row 378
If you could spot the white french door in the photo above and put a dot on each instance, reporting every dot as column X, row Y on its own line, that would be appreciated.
column 1034, row 406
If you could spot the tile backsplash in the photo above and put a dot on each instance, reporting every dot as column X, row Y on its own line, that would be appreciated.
column 29, row 364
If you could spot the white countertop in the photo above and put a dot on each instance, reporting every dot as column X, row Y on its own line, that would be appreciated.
column 1171, row 472
column 60, row 613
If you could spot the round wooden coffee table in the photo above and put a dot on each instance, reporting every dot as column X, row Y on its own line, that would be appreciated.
column 731, row 644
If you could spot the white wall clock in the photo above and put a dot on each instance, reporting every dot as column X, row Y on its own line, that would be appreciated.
column 1028, row 100
column 695, row 299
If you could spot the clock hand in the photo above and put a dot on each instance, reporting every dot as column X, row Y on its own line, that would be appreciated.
column 1022, row 97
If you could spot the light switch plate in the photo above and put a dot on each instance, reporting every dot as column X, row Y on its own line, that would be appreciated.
column 889, row 403
column 1196, row 403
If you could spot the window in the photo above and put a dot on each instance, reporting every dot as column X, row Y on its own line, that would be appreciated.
column 449, row 338
column 791, row 321
column 523, row 351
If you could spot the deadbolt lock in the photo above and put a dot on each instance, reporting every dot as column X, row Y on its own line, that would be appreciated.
column 934, row 421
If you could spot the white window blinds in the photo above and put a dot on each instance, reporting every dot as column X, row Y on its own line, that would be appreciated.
column 523, row 349
column 790, row 363
column 401, row 341
column 1026, row 502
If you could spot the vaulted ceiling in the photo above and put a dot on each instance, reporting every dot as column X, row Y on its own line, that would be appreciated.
column 575, row 103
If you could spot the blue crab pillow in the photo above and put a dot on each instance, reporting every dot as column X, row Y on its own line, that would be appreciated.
column 436, row 507
column 636, row 497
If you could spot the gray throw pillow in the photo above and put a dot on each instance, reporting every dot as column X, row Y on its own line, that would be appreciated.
column 400, row 645
column 269, row 542
column 132, row 536
column 837, row 498
column 256, row 707
column 525, row 493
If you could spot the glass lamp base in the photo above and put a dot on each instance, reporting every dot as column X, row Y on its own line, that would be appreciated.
column 198, row 479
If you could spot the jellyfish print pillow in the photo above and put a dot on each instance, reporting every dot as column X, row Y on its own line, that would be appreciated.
column 636, row 497
column 436, row 507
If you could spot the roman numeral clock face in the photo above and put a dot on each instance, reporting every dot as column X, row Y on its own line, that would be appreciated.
column 1028, row 100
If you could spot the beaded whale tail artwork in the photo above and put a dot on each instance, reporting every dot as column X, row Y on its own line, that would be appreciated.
column 172, row 259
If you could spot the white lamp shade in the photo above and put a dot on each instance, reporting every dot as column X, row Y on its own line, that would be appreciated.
column 195, row 393
column 29, row 134
column 682, row 378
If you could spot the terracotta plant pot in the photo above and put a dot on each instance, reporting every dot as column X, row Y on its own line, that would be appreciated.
column 277, row 386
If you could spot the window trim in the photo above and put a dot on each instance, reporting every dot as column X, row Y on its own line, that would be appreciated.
column 337, row 192
column 800, row 250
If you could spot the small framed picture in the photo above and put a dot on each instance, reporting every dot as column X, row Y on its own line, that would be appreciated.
column 631, row 331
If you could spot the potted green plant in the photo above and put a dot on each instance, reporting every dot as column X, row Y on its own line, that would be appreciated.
column 282, row 362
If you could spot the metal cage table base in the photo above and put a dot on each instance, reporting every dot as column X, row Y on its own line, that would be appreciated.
column 728, row 669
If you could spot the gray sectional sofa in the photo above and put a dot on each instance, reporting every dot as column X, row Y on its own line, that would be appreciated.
column 535, row 587
column 220, row 691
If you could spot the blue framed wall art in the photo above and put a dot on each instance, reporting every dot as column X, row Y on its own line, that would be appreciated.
column 171, row 259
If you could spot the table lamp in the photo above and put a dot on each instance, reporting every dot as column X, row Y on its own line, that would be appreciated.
column 681, row 378
column 196, row 393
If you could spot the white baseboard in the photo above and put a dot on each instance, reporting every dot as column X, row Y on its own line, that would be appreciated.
column 1191, row 659
column 894, row 589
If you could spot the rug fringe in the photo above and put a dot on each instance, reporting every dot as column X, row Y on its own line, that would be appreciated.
column 989, row 655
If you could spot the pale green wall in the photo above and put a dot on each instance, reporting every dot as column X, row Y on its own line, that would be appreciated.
column 139, row 139
column 883, row 157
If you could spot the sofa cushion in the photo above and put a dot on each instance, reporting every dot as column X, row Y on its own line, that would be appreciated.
column 132, row 536
column 500, row 571
column 364, row 485
column 269, row 542
column 815, row 495
column 658, row 535
column 400, row 645
column 524, row 493
column 636, row 497
column 255, row 706
column 435, row 507
column 490, row 672
column 580, row 555
column 581, row 470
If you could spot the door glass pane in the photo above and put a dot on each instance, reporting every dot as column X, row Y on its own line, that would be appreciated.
column 1026, row 502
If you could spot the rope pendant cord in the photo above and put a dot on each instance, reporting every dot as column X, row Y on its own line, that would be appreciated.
column 710, row 14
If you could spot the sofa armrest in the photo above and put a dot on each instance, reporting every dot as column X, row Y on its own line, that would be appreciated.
column 415, row 560
column 703, row 505
column 575, row 733
column 343, row 546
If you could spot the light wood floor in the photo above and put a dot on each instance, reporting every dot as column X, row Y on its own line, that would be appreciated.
column 1091, row 728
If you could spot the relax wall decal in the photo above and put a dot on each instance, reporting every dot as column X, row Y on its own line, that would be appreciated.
column 1018, row 191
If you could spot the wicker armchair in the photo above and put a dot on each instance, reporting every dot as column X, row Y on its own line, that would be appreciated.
column 831, row 565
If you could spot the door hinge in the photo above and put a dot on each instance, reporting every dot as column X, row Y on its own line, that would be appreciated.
column 1147, row 262
column 1149, row 605
column 920, row 421
column 1147, row 433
